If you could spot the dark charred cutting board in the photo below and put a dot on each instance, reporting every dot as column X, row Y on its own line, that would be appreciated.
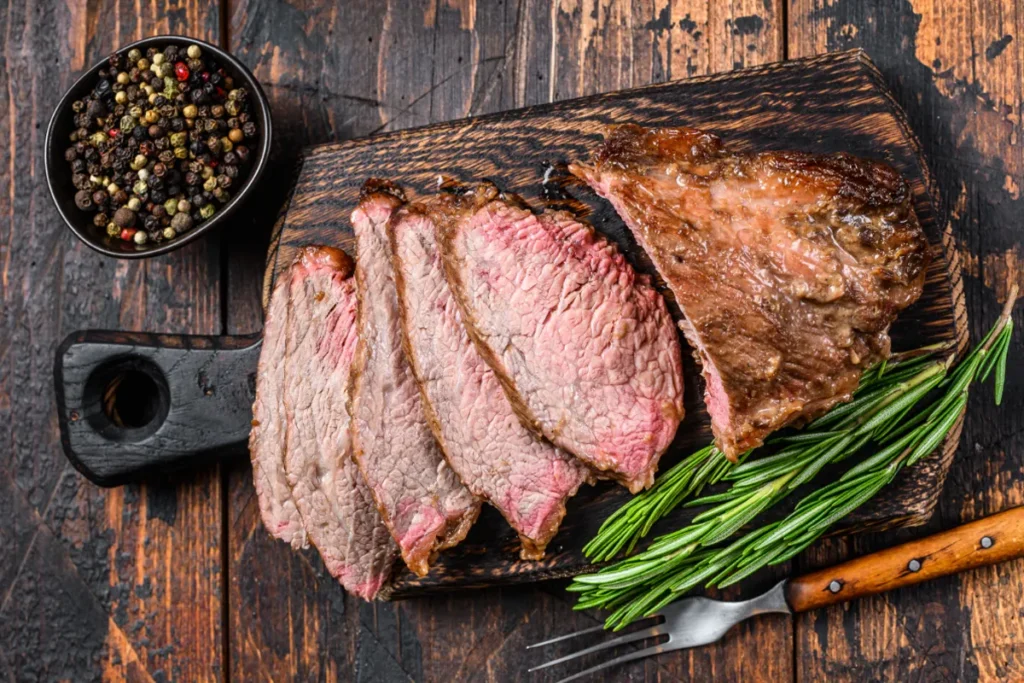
column 837, row 102
column 833, row 103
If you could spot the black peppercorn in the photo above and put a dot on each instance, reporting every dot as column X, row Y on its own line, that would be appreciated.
column 102, row 88
column 100, row 220
column 158, row 197
column 249, row 128
column 198, row 96
column 196, row 147
column 158, row 210
column 224, row 181
column 70, row 154
column 151, row 222
column 78, row 165
column 124, row 217
column 161, row 144
column 120, row 197
column 243, row 153
column 230, row 170
column 99, row 197
column 146, row 148
column 177, row 124
column 159, row 101
column 191, row 178
column 81, row 182
column 173, row 190
column 155, row 131
column 83, row 200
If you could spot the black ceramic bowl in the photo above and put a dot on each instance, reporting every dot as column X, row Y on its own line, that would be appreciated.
column 58, row 171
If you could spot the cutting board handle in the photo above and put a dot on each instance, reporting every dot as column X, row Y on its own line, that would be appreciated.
column 132, row 403
column 986, row 541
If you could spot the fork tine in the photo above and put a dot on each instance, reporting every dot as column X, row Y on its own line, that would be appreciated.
column 567, row 636
column 621, row 640
column 647, row 652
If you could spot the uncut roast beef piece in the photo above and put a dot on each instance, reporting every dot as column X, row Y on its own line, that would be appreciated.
column 337, row 510
column 422, row 501
column 788, row 267
column 584, row 348
column 526, row 478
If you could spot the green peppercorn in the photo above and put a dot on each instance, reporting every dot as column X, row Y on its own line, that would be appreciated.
column 135, row 204
column 210, row 184
column 98, row 138
column 233, row 108
column 181, row 152
column 190, row 111
column 158, row 58
column 207, row 211
column 134, row 54
column 127, row 122
column 171, row 206
column 139, row 162
column 179, row 139
column 170, row 233
column 112, row 229
column 143, row 64
column 140, row 187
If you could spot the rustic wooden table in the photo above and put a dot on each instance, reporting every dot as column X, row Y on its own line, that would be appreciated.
column 176, row 580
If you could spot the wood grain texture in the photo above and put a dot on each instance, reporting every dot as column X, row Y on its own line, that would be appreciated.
column 423, row 62
column 956, row 69
column 119, row 585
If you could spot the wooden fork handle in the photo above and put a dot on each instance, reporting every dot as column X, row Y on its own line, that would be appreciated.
column 986, row 541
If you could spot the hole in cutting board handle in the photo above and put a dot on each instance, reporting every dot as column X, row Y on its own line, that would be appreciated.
column 131, row 404
column 127, row 399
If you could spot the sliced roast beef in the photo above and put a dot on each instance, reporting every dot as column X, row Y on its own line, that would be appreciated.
column 422, row 501
column 267, row 439
column 584, row 347
column 526, row 478
column 330, row 494
column 788, row 267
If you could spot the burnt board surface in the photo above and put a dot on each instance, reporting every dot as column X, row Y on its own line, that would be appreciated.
column 836, row 102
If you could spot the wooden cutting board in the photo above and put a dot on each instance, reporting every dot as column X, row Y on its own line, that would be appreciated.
column 837, row 102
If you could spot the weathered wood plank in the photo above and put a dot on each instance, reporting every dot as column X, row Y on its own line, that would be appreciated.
column 407, row 64
column 956, row 68
column 121, row 584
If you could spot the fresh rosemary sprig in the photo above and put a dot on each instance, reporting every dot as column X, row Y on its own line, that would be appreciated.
column 633, row 521
column 883, row 414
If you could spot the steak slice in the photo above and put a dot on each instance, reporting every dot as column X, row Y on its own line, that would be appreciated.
column 527, row 479
column 267, row 439
column 422, row 501
column 584, row 348
column 788, row 267
column 330, row 494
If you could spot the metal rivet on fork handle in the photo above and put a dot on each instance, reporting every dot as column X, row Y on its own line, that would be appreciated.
column 987, row 542
column 835, row 586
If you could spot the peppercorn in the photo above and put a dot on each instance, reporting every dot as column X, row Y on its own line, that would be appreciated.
column 140, row 188
column 151, row 222
column 120, row 197
column 158, row 197
column 182, row 221
column 236, row 135
column 224, row 181
column 243, row 153
column 113, row 230
column 77, row 166
column 169, row 233
column 194, row 51
column 100, row 220
column 233, row 108
column 99, row 197
column 140, row 237
column 207, row 211
column 249, row 129
column 146, row 148
column 124, row 217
